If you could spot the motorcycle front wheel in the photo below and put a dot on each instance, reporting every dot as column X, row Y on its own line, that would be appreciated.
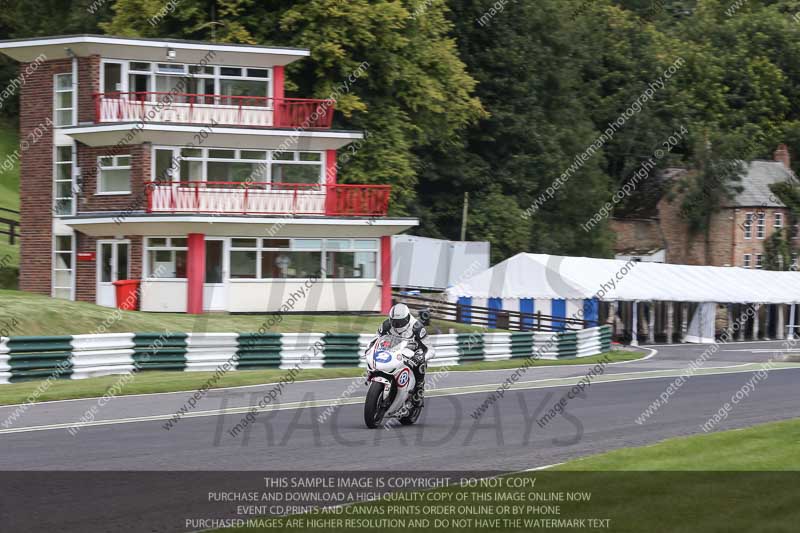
column 373, row 406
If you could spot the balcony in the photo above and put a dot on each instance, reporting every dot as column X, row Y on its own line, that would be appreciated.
column 184, row 108
column 251, row 198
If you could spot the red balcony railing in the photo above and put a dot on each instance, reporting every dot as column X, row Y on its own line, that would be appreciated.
column 252, row 198
column 185, row 108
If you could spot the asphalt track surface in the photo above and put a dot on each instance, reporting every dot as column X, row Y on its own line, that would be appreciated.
column 295, row 434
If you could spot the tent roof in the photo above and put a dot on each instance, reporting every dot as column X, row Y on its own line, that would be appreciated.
column 550, row 276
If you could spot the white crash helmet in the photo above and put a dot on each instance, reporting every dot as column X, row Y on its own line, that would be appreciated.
column 400, row 317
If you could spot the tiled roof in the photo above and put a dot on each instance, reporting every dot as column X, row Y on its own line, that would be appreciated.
column 755, row 184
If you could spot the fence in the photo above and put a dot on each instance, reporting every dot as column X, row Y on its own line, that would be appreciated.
column 491, row 317
column 85, row 356
column 12, row 224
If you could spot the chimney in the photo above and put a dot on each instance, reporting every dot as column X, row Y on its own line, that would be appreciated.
column 782, row 155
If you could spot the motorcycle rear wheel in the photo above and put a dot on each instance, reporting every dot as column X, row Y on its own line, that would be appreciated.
column 373, row 406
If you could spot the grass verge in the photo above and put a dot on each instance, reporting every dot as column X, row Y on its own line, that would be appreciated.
column 155, row 381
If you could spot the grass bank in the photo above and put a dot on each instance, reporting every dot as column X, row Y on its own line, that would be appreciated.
column 156, row 381
column 33, row 314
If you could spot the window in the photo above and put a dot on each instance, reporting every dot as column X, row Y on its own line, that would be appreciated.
column 287, row 258
column 759, row 260
column 63, row 99
column 114, row 174
column 346, row 258
column 62, row 181
column 244, row 258
column 303, row 258
column 748, row 225
column 746, row 263
column 761, row 225
column 63, row 261
column 778, row 223
column 237, row 166
column 231, row 85
column 166, row 257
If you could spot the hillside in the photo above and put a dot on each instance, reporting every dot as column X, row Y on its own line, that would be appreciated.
column 9, row 191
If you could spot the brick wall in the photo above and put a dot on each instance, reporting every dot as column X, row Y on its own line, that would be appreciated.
column 685, row 247
column 89, row 83
column 90, row 201
column 36, row 177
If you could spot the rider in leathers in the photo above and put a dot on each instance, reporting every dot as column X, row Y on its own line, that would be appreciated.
column 403, row 324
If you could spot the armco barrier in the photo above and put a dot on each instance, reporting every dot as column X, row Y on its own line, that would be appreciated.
column 4, row 368
column 83, row 356
column 39, row 357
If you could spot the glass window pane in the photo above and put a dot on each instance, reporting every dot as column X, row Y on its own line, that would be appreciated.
column 64, row 154
column 350, row 265
column 122, row 261
column 310, row 156
column 176, row 68
column 64, row 82
column 230, row 71
column 307, row 244
column 221, row 154
column 214, row 257
column 366, row 244
column 156, row 241
column 62, row 279
column 253, row 154
column 243, row 264
column 192, row 171
column 124, row 161
column 243, row 92
column 287, row 173
column 165, row 165
column 64, row 172
column 276, row 243
column 63, row 206
column 106, row 161
column 112, row 77
column 244, row 243
column 105, row 263
column 165, row 84
column 64, row 118
column 258, row 73
column 63, row 189
column 178, row 242
column 285, row 264
column 139, row 65
column 235, row 171
column 191, row 152
column 63, row 243
column 63, row 262
column 283, row 156
column 64, row 100
column 115, row 180
column 337, row 244
column 65, row 294
column 180, row 264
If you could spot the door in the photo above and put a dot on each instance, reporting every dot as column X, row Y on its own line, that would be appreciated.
column 113, row 81
column 215, row 289
column 113, row 264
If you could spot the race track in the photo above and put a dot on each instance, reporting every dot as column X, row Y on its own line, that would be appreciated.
column 129, row 432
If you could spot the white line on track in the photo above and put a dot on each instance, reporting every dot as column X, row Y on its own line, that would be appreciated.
column 456, row 391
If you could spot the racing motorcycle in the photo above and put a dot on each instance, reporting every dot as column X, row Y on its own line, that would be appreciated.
column 390, row 381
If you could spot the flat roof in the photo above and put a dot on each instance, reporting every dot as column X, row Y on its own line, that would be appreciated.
column 148, row 49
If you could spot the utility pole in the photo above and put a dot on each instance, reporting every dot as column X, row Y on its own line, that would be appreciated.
column 464, row 215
